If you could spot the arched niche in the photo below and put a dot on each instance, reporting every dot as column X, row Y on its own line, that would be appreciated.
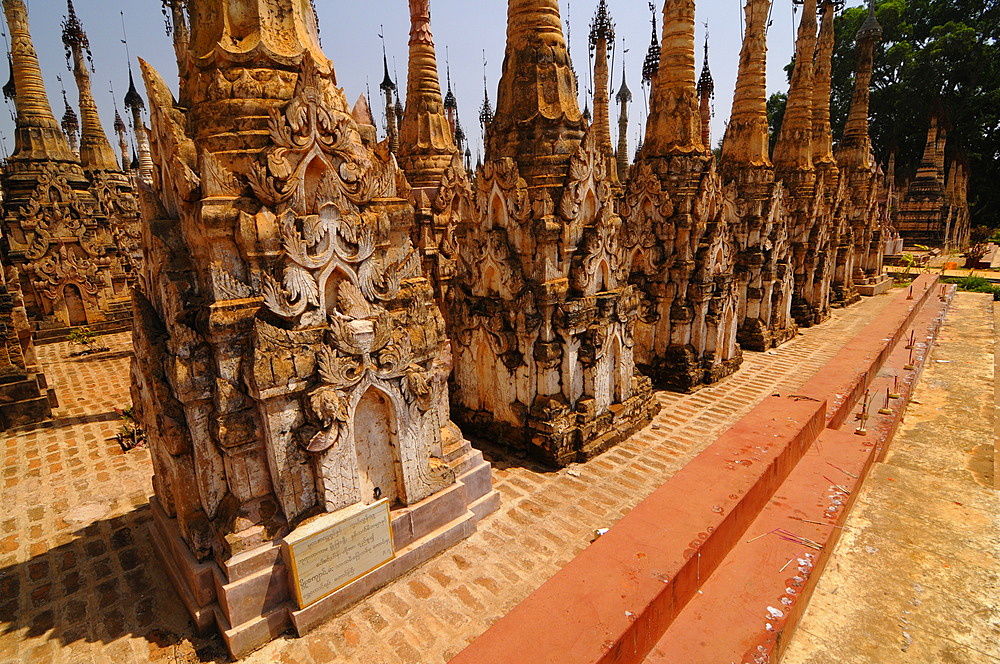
column 376, row 444
column 76, row 309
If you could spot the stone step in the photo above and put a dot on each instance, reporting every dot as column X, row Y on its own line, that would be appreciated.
column 766, row 579
column 637, row 579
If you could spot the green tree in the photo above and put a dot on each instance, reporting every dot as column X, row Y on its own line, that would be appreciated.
column 775, row 115
column 935, row 57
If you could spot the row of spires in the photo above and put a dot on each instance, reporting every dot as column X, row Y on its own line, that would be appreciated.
column 681, row 126
column 602, row 34
column 38, row 135
column 671, row 63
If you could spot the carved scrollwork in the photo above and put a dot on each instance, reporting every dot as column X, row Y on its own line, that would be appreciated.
column 57, row 269
column 317, row 179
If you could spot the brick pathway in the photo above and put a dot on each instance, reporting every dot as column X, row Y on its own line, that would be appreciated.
column 79, row 582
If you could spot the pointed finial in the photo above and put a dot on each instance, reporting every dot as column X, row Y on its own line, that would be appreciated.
column 73, row 34
column 706, row 84
column 450, row 103
column 133, row 100
column 624, row 95
column 486, row 112
column 387, row 82
column 870, row 29
column 602, row 27
column 652, row 62
column 70, row 123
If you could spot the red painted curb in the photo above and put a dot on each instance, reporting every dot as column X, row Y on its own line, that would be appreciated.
column 749, row 607
column 614, row 601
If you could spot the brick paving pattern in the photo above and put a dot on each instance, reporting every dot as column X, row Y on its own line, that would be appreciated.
column 79, row 582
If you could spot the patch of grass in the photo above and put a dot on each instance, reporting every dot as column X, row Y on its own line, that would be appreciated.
column 974, row 284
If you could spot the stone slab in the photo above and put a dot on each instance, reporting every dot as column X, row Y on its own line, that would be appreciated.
column 412, row 555
column 878, row 286
column 331, row 550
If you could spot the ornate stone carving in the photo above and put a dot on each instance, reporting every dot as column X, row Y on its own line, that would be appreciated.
column 70, row 226
column 286, row 324
column 541, row 309
column 24, row 395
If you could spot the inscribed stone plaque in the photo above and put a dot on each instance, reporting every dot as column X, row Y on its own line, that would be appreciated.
column 335, row 549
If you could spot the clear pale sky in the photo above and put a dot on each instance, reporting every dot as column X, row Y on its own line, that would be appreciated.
column 350, row 36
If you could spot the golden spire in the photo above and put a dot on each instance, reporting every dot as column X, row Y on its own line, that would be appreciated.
column 674, row 123
column 855, row 147
column 602, row 31
column 822, row 88
column 746, row 141
column 537, row 120
column 96, row 152
column 426, row 139
column 37, row 134
column 793, row 150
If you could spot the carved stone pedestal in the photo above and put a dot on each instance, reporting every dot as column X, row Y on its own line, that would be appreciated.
column 873, row 285
column 680, row 369
column 26, row 401
column 251, row 597
column 25, row 398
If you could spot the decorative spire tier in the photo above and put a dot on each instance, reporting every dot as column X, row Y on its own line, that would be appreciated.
column 96, row 153
column 651, row 63
column 537, row 121
column 290, row 361
column 746, row 140
column 793, row 155
column 706, row 95
column 426, row 138
column 674, row 123
column 71, row 125
column 227, row 39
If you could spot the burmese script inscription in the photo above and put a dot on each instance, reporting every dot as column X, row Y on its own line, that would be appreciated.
column 326, row 556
